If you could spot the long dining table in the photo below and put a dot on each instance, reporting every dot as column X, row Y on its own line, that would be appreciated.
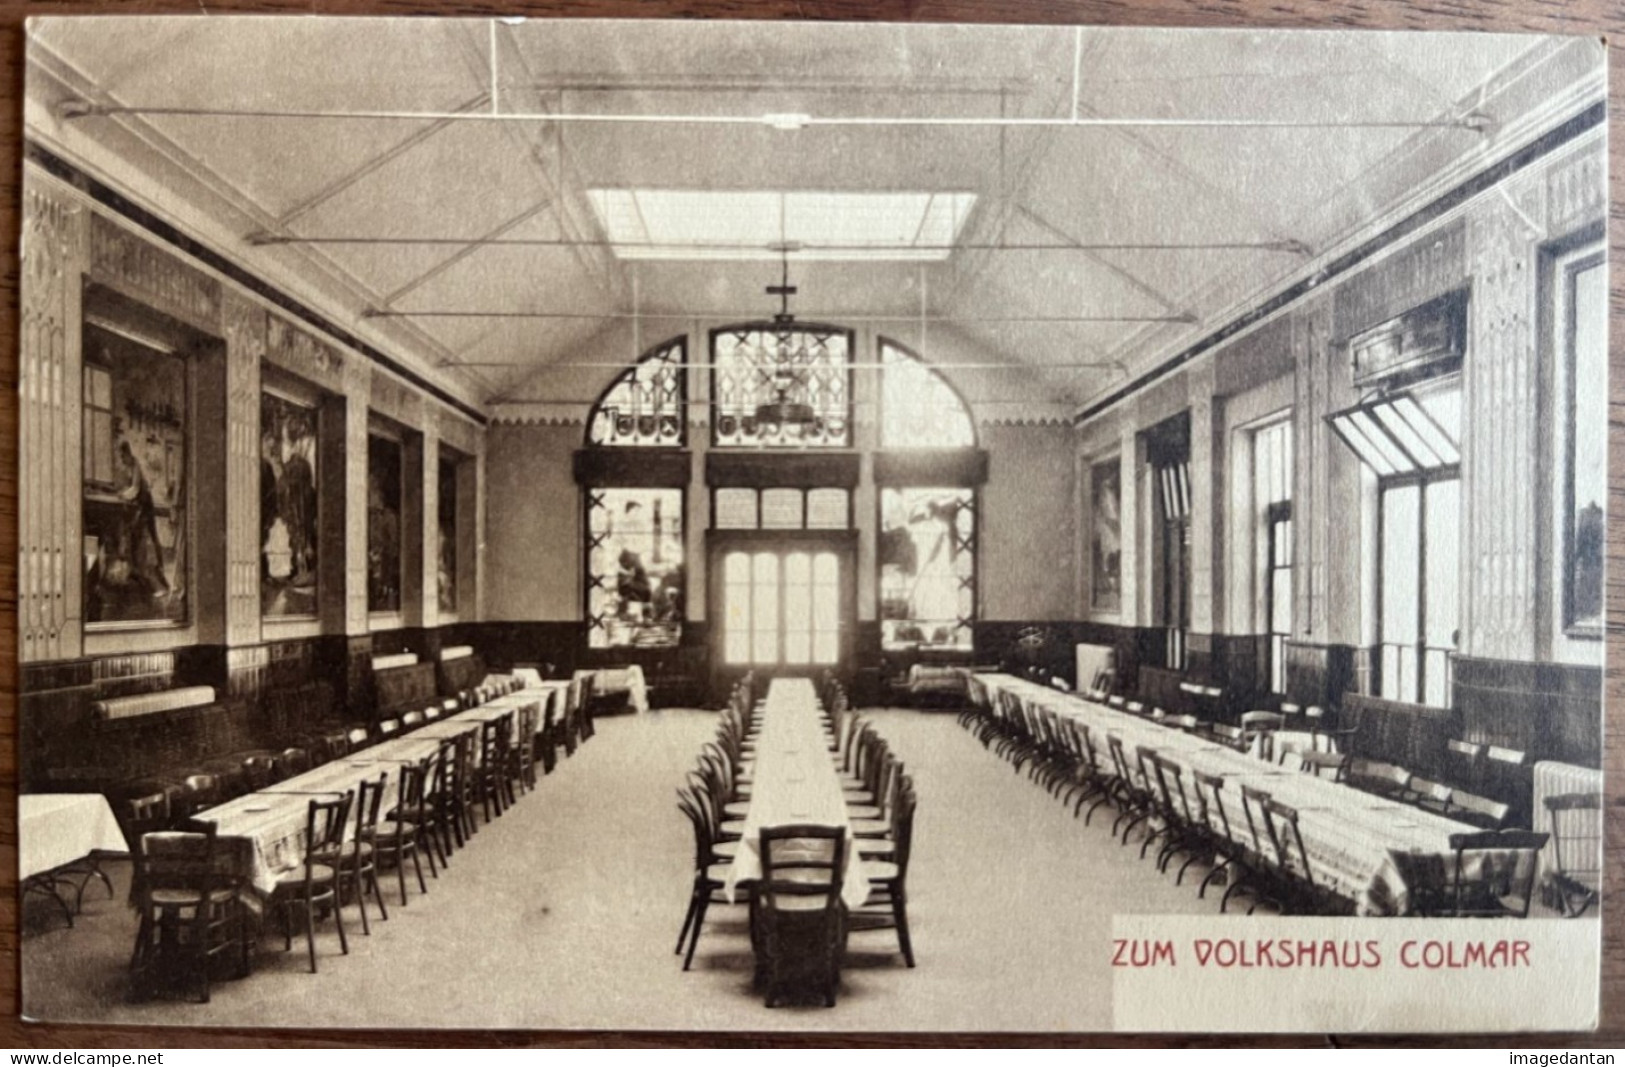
column 794, row 781
column 1348, row 834
column 272, row 821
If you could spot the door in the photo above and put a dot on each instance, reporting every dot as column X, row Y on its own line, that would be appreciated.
column 781, row 605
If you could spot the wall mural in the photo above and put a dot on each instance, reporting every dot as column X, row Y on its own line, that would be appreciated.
column 447, row 555
column 1105, row 537
column 288, row 495
column 135, row 466
column 383, row 524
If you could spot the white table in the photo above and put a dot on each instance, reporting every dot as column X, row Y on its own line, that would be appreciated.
column 628, row 680
column 1348, row 833
column 794, row 781
column 62, row 834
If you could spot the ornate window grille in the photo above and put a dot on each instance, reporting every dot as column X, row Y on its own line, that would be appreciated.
column 781, row 385
column 646, row 407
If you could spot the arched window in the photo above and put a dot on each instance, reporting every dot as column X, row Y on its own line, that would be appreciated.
column 647, row 406
column 781, row 385
column 918, row 408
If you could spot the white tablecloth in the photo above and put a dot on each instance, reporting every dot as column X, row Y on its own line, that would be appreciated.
column 794, row 781
column 1348, row 833
column 628, row 680
column 273, row 820
column 56, row 829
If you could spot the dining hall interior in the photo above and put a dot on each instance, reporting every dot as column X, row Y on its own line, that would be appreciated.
column 866, row 505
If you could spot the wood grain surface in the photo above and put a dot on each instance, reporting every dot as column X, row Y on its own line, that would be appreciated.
column 1605, row 18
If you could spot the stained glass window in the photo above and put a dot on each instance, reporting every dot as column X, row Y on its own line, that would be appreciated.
column 918, row 409
column 635, row 577
column 927, row 567
column 781, row 386
column 646, row 407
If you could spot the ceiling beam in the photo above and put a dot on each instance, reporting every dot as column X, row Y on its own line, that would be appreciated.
column 775, row 249
column 1478, row 123
column 757, row 313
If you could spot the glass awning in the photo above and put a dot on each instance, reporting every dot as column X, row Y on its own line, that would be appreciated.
column 1394, row 434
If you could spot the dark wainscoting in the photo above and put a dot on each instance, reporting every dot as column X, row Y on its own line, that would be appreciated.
column 1321, row 674
column 1410, row 735
column 1048, row 646
column 1549, row 710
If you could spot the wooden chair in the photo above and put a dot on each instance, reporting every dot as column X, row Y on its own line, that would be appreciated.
column 1428, row 795
column 711, row 861
column 191, row 913
column 1575, row 877
column 522, row 751
column 1255, row 854
column 355, row 860
column 887, row 906
column 798, row 918
column 1376, row 777
column 1475, row 810
column 1498, row 880
column 314, row 884
column 1302, row 890
column 396, row 838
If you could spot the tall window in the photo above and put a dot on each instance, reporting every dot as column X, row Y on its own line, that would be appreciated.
column 918, row 409
column 647, row 405
column 1272, row 489
column 927, row 553
column 1582, row 322
column 781, row 385
column 781, row 608
column 635, row 577
column 1409, row 442
column 1168, row 451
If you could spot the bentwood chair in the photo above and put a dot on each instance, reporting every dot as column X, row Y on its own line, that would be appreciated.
column 798, row 918
column 710, row 869
column 1256, row 854
column 191, row 912
column 354, row 860
column 398, row 838
column 887, row 907
column 314, row 885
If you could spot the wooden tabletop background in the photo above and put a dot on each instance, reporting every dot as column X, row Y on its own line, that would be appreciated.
column 1605, row 18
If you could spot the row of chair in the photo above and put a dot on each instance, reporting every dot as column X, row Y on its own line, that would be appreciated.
column 1256, row 848
column 190, row 885
column 810, row 869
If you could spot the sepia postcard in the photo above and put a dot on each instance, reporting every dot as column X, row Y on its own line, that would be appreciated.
column 725, row 526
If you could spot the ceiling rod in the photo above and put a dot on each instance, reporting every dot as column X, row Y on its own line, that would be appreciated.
column 77, row 109
column 775, row 248
column 598, row 364
column 755, row 315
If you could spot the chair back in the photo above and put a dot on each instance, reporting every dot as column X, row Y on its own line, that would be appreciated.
column 1210, row 804
column 803, row 867
column 181, row 860
column 368, row 797
column 412, row 787
column 1287, row 840
column 1252, row 806
column 1494, row 871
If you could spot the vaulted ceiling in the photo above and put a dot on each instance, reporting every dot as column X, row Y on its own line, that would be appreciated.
column 431, row 181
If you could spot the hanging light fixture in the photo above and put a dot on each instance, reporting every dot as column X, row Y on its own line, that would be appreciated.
column 787, row 368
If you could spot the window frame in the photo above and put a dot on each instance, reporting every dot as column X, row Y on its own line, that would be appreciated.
column 882, row 345
column 587, row 578
column 1421, row 480
column 973, row 584
column 714, row 403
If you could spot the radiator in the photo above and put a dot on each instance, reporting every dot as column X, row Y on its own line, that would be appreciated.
column 1554, row 779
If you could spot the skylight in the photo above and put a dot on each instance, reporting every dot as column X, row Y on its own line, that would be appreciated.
column 718, row 224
